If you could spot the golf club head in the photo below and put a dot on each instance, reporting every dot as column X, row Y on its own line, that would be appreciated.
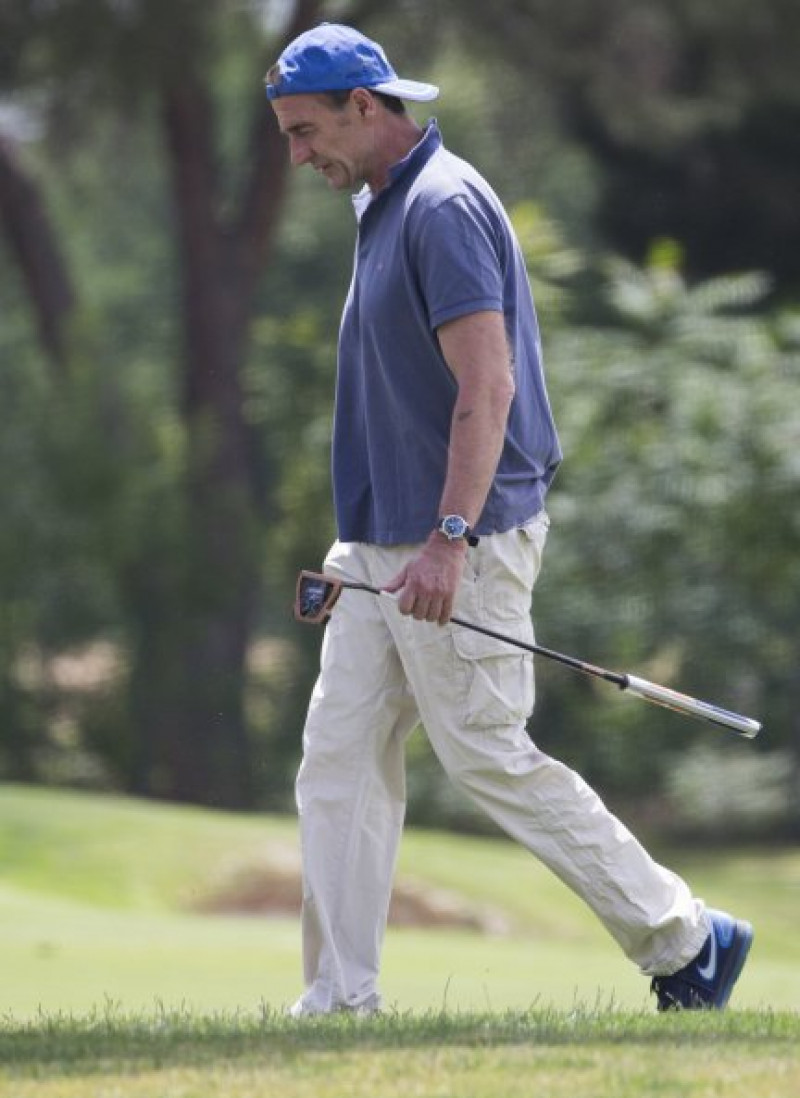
column 315, row 597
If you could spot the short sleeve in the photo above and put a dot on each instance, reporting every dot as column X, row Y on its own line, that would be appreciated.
column 459, row 259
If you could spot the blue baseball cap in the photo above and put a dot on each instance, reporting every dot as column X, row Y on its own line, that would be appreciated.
column 332, row 57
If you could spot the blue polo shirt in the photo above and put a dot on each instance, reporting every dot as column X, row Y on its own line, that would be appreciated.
column 433, row 245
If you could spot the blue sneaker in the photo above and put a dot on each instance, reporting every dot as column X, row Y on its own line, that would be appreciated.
column 706, row 982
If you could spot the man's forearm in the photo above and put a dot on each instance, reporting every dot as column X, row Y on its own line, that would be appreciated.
column 476, row 443
column 476, row 350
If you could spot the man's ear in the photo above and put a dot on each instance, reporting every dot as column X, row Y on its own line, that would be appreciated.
column 364, row 102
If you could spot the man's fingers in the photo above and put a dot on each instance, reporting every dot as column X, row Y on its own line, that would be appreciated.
column 423, row 608
column 427, row 585
column 446, row 612
column 420, row 606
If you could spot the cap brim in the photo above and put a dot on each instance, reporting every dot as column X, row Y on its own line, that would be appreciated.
column 407, row 89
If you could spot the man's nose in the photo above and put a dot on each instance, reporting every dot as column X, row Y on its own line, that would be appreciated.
column 299, row 152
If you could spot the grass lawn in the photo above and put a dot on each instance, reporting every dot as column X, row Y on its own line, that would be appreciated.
column 596, row 1054
column 114, row 985
column 98, row 899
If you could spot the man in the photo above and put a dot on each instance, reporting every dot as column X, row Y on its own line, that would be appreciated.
column 443, row 451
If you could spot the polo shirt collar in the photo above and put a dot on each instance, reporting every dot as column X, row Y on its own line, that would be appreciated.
column 424, row 149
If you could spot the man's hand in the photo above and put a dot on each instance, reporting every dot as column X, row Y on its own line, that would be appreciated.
column 429, row 583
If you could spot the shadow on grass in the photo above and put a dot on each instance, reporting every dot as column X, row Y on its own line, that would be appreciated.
column 109, row 1039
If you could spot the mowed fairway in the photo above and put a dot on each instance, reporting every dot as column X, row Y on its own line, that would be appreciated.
column 113, row 983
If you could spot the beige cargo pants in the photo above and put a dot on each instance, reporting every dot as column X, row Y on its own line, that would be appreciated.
column 383, row 673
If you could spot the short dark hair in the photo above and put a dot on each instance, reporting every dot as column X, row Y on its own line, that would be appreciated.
column 391, row 102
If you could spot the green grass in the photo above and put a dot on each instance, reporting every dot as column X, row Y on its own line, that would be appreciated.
column 113, row 986
column 543, row 1052
column 97, row 897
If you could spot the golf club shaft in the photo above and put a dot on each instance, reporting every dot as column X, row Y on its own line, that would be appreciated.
column 641, row 688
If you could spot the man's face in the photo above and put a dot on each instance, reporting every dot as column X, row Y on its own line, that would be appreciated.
column 333, row 140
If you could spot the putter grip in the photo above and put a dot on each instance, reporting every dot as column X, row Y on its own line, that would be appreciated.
column 692, row 707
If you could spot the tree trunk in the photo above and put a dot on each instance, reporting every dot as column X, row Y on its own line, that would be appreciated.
column 189, row 697
column 32, row 240
column 193, row 606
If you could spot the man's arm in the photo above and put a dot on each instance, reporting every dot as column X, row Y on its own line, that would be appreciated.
column 476, row 349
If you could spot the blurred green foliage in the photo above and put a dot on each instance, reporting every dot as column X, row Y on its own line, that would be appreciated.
column 676, row 528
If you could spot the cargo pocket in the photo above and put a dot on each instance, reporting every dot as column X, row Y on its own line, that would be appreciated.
column 499, row 678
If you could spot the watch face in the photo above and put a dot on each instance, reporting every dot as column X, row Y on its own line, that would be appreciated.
column 453, row 526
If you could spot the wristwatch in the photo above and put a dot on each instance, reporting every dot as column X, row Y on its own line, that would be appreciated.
column 455, row 527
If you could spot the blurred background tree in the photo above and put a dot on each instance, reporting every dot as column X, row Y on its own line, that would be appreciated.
column 191, row 589
column 167, row 336
column 689, row 109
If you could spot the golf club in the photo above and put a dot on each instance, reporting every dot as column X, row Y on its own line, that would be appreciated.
column 317, row 595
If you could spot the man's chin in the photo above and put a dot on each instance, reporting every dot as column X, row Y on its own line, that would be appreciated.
column 335, row 178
